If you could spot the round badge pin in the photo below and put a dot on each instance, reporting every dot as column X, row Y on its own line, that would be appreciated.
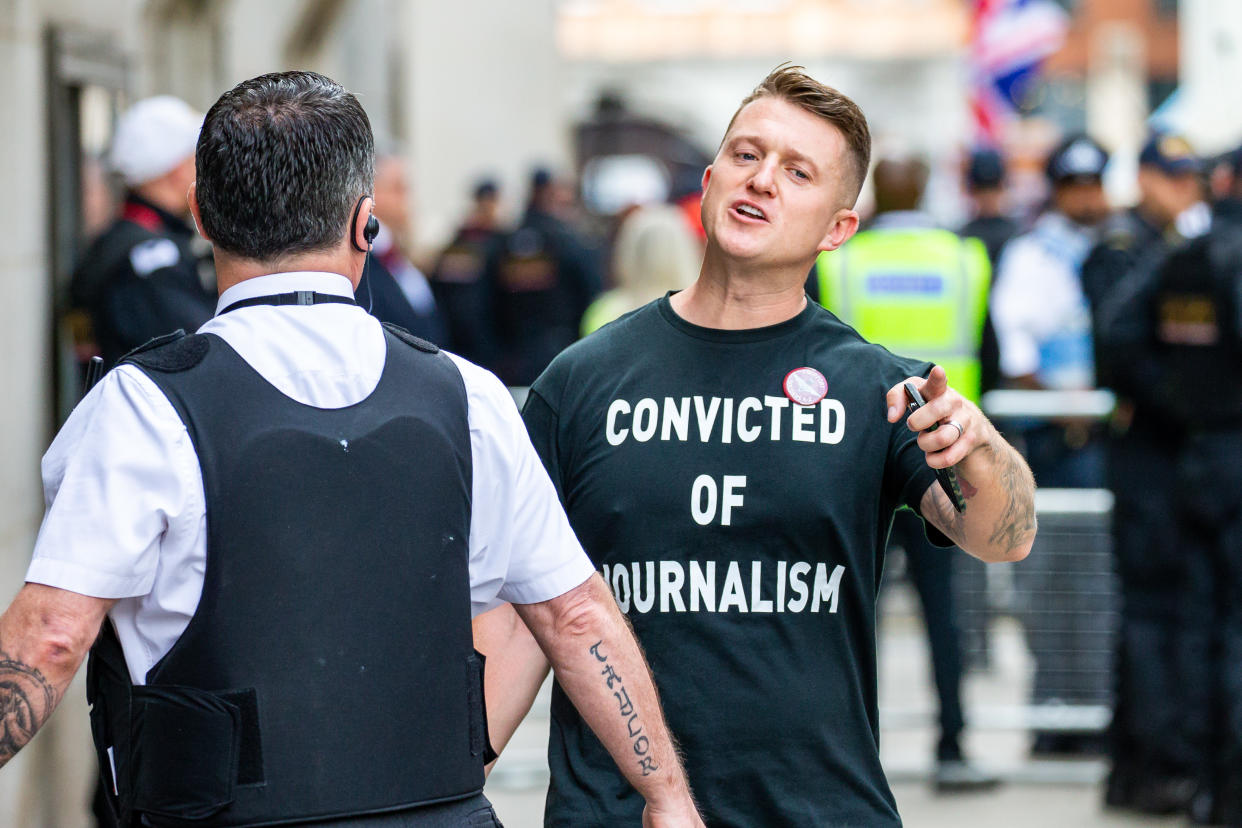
column 805, row 386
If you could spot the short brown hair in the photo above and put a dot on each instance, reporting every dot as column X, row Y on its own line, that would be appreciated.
column 791, row 83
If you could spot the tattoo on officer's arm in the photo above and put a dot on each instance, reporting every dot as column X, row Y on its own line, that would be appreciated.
column 625, row 707
column 27, row 698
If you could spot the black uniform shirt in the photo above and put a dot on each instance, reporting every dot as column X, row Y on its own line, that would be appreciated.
column 743, row 534
column 140, row 279
column 541, row 279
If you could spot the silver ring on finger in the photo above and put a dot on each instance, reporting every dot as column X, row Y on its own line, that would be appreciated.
column 958, row 426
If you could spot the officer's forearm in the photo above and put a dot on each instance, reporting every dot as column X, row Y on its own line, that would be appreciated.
column 999, row 522
column 44, row 635
column 515, row 670
column 600, row 666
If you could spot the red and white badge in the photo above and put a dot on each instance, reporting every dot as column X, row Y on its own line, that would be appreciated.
column 805, row 386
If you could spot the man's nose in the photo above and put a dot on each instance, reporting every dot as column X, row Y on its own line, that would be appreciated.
column 764, row 178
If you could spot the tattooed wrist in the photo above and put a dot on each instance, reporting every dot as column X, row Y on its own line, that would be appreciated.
column 27, row 699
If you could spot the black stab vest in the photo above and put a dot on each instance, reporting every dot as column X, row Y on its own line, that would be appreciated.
column 1199, row 345
column 328, row 670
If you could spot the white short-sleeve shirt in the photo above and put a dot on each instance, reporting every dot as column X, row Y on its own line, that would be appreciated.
column 126, row 514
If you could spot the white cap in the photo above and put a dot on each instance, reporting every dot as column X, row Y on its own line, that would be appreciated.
column 152, row 137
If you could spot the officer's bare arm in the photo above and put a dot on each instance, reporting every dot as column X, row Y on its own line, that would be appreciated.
column 600, row 666
column 999, row 521
column 44, row 635
column 516, row 669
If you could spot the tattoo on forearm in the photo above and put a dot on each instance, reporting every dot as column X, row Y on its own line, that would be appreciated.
column 625, row 708
column 1017, row 520
column 948, row 519
column 968, row 489
column 27, row 698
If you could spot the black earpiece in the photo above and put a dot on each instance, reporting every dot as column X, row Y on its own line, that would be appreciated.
column 369, row 232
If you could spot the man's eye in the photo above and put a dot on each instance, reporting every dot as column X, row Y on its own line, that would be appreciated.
column 800, row 174
column 746, row 156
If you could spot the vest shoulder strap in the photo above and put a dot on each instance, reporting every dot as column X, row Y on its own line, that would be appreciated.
column 410, row 339
column 169, row 353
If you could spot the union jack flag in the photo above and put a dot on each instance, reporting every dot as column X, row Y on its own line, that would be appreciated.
column 1009, row 41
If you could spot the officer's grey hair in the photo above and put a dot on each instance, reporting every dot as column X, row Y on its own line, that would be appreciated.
column 282, row 161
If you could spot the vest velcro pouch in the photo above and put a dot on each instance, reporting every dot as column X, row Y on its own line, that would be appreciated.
column 186, row 746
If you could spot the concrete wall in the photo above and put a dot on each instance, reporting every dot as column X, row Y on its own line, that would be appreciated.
column 1211, row 54
column 478, row 98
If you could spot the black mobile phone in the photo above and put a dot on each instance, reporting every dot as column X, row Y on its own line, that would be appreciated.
column 947, row 477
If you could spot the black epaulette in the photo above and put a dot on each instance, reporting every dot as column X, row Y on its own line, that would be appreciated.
column 169, row 353
column 410, row 339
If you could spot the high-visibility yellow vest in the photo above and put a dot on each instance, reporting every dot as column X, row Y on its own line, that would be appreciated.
column 920, row 292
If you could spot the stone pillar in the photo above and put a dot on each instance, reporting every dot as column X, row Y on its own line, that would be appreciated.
column 1211, row 66
column 46, row 785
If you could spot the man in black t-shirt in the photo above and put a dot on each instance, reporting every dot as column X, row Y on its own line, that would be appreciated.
column 731, row 457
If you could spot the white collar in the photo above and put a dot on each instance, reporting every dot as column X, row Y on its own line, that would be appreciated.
column 276, row 283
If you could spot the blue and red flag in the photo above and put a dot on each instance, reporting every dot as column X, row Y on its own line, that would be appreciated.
column 1009, row 41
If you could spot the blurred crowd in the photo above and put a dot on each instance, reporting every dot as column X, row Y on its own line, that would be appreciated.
column 1145, row 301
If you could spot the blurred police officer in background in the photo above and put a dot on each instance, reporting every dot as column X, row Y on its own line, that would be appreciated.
column 141, row 277
column 994, row 226
column 985, row 187
column 1182, row 322
column 283, row 523
column 1043, row 327
column 919, row 289
column 457, row 277
column 1152, row 761
column 541, row 278
column 392, row 288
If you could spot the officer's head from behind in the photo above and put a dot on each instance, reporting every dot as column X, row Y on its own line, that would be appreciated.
column 1076, row 172
column 899, row 183
column 1170, row 178
column 153, row 151
column 286, row 166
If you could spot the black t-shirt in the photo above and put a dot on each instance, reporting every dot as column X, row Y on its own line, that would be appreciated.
column 743, row 535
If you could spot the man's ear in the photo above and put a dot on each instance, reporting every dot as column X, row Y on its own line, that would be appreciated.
column 707, row 177
column 365, row 209
column 844, row 225
column 191, row 198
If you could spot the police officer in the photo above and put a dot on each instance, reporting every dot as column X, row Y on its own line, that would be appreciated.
column 140, row 279
column 992, row 225
column 917, row 288
column 457, row 277
column 985, row 185
column 1152, row 762
column 284, row 522
column 1183, row 322
column 541, row 278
